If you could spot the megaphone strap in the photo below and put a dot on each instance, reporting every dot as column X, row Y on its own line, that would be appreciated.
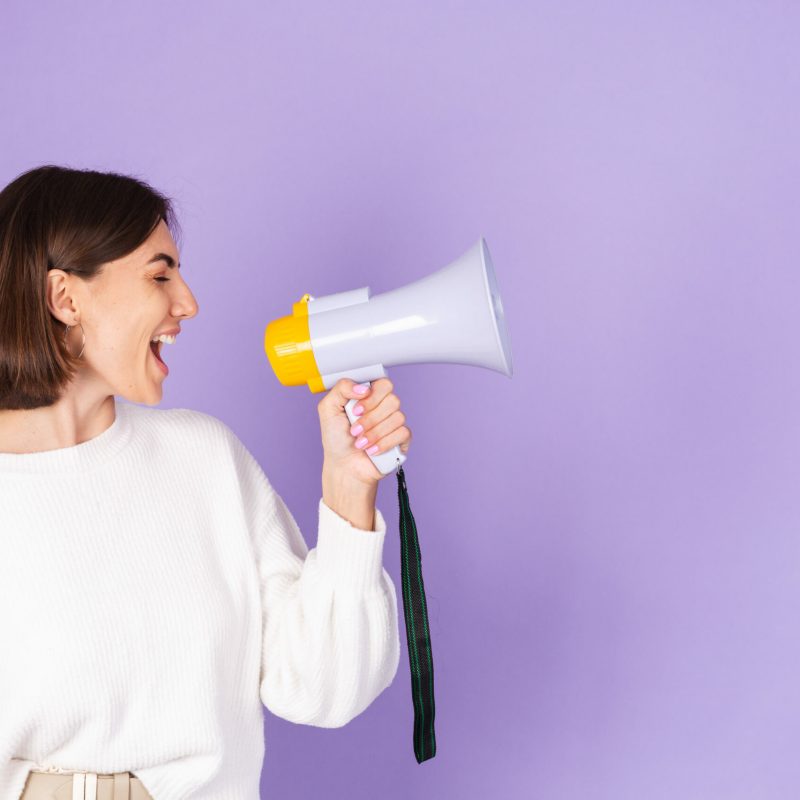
column 415, row 609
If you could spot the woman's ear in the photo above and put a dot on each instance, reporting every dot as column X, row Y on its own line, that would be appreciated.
column 60, row 300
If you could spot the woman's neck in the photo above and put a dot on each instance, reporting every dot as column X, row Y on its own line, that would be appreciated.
column 70, row 421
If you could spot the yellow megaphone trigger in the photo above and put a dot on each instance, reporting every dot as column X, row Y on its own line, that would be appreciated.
column 287, row 343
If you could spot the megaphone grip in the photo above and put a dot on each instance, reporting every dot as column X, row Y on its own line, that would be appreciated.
column 385, row 462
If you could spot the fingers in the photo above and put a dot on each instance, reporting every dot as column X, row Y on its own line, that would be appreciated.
column 395, row 435
column 401, row 436
column 383, row 428
column 380, row 421
column 380, row 389
column 340, row 394
column 375, row 411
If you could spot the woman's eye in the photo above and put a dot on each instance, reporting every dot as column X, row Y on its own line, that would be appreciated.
column 162, row 279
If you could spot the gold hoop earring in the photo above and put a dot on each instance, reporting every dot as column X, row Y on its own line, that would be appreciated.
column 66, row 331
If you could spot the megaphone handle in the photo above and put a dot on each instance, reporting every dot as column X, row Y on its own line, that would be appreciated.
column 385, row 462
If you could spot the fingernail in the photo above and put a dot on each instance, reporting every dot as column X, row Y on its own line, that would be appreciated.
column 359, row 409
column 356, row 429
column 361, row 442
column 372, row 450
column 359, row 388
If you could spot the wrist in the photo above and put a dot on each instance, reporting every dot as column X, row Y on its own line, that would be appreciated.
column 349, row 497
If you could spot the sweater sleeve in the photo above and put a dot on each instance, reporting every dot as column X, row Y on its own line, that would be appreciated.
column 330, row 640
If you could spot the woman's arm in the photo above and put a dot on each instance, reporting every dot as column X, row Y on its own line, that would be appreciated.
column 330, row 633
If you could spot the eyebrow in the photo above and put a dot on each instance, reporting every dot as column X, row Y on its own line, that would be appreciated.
column 164, row 257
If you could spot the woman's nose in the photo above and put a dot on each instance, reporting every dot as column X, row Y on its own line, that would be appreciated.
column 187, row 304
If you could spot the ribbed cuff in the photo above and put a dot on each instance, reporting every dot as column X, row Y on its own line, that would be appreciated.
column 350, row 556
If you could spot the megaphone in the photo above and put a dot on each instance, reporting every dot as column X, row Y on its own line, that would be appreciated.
column 454, row 316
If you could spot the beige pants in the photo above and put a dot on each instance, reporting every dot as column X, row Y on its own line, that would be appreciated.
column 83, row 786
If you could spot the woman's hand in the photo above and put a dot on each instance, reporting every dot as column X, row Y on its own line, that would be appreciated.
column 382, row 422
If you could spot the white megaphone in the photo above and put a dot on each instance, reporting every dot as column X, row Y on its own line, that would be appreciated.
column 454, row 315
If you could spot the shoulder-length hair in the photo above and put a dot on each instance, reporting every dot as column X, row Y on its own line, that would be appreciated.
column 74, row 220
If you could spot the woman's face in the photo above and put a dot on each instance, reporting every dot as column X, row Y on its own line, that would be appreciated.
column 132, row 300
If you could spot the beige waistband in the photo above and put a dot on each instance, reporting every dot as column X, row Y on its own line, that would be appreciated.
column 83, row 786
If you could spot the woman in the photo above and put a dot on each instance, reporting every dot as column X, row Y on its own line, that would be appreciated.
column 156, row 590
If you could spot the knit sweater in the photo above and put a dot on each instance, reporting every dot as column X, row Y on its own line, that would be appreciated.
column 156, row 594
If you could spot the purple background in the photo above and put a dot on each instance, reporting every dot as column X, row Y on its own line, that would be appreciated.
column 610, row 538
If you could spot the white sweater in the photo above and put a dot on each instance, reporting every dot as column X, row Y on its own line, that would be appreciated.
column 155, row 590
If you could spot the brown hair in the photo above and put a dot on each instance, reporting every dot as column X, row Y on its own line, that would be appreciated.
column 69, row 219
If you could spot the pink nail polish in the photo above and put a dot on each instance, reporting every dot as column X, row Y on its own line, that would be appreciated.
column 356, row 429
column 361, row 442
column 359, row 388
column 372, row 450
column 358, row 409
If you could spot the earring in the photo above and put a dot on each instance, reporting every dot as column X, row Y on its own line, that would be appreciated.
column 66, row 331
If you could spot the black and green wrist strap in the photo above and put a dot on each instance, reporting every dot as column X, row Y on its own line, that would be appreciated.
column 415, row 609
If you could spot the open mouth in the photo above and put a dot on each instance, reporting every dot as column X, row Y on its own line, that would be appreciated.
column 155, row 348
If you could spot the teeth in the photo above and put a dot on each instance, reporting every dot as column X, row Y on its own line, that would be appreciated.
column 164, row 338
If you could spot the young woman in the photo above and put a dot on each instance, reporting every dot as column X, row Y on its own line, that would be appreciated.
column 155, row 591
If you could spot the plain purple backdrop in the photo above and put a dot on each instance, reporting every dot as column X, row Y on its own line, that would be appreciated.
column 609, row 538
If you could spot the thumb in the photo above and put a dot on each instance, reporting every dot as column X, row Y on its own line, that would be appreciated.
column 342, row 391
